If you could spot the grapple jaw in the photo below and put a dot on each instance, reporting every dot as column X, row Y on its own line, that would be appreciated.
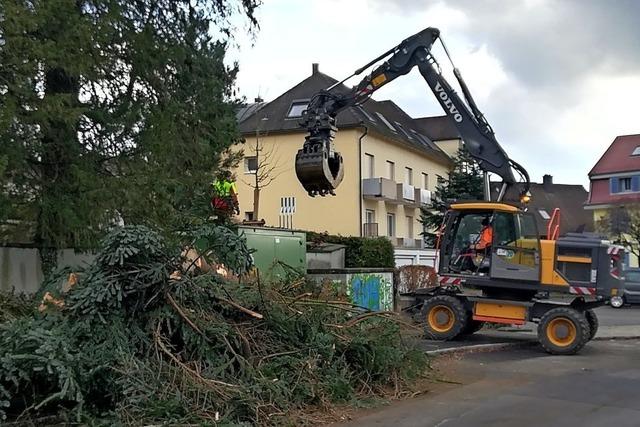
column 319, row 168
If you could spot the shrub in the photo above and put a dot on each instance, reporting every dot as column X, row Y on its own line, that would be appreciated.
column 360, row 252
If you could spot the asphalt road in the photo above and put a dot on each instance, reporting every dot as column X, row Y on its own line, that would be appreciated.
column 628, row 315
column 611, row 320
column 527, row 387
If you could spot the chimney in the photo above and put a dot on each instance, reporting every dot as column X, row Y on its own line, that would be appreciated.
column 547, row 182
column 258, row 99
column 314, row 68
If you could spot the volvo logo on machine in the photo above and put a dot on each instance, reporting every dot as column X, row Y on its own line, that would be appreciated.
column 448, row 103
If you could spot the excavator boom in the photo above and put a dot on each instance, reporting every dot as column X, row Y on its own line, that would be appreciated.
column 320, row 168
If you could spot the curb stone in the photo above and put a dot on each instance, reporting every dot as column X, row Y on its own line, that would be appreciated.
column 488, row 348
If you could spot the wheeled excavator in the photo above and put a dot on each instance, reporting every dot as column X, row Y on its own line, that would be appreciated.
column 519, row 277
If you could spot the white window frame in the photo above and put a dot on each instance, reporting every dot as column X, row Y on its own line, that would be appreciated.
column 391, row 224
column 425, row 181
column 391, row 170
column 371, row 162
column 408, row 175
column 621, row 188
column 247, row 170
column 370, row 216
column 297, row 103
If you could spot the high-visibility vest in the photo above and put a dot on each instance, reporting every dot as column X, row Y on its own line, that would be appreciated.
column 486, row 237
column 224, row 188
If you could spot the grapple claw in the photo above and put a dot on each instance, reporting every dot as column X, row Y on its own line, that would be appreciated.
column 318, row 171
column 319, row 168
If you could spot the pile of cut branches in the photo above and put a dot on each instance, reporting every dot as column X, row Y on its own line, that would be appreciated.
column 144, row 337
column 14, row 305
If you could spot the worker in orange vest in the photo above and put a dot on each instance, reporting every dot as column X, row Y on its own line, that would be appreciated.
column 486, row 236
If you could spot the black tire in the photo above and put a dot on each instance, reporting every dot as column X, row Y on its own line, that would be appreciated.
column 472, row 326
column 593, row 323
column 444, row 317
column 552, row 327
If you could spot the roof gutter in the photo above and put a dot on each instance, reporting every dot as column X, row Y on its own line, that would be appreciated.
column 366, row 130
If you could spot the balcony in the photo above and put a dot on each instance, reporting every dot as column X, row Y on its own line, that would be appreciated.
column 379, row 189
column 406, row 194
column 422, row 197
column 370, row 229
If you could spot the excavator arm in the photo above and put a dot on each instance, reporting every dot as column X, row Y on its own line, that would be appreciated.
column 320, row 168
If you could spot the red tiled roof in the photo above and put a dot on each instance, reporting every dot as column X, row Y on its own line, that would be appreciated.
column 618, row 156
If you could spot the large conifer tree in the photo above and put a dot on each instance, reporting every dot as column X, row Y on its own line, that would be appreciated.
column 111, row 110
column 465, row 182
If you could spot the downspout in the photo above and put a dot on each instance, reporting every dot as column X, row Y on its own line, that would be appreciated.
column 366, row 130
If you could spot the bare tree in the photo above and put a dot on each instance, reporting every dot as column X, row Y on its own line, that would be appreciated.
column 267, row 169
column 622, row 225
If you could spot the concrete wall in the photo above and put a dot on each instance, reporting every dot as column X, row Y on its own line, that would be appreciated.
column 368, row 288
column 21, row 271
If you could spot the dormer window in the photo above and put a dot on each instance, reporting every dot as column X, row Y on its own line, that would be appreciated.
column 636, row 151
column 367, row 115
column 386, row 122
column 297, row 108
column 399, row 126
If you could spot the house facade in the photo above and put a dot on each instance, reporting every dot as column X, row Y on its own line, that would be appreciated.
column 391, row 168
column 615, row 182
column 615, row 178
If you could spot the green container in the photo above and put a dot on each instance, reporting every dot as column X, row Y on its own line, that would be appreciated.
column 274, row 245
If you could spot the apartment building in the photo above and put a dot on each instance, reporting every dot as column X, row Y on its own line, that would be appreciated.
column 615, row 178
column 391, row 167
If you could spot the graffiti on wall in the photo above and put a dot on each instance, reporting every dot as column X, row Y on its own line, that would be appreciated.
column 370, row 290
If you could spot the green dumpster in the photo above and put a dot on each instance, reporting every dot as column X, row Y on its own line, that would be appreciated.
column 276, row 245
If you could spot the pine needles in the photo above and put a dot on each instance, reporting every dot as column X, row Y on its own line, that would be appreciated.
column 144, row 338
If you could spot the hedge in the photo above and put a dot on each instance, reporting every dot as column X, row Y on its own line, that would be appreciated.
column 360, row 251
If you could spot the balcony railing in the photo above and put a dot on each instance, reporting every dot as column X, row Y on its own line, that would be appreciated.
column 370, row 229
column 406, row 193
column 407, row 242
column 393, row 192
column 379, row 189
column 422, row 197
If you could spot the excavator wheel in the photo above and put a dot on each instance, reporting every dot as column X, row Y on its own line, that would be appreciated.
column 593, row 323
column 563, row 331
column 444, row 317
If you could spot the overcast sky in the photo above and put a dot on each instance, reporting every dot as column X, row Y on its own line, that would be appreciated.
column 557, row 80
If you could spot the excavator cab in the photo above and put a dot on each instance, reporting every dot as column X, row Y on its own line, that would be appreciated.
column 490, row 241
